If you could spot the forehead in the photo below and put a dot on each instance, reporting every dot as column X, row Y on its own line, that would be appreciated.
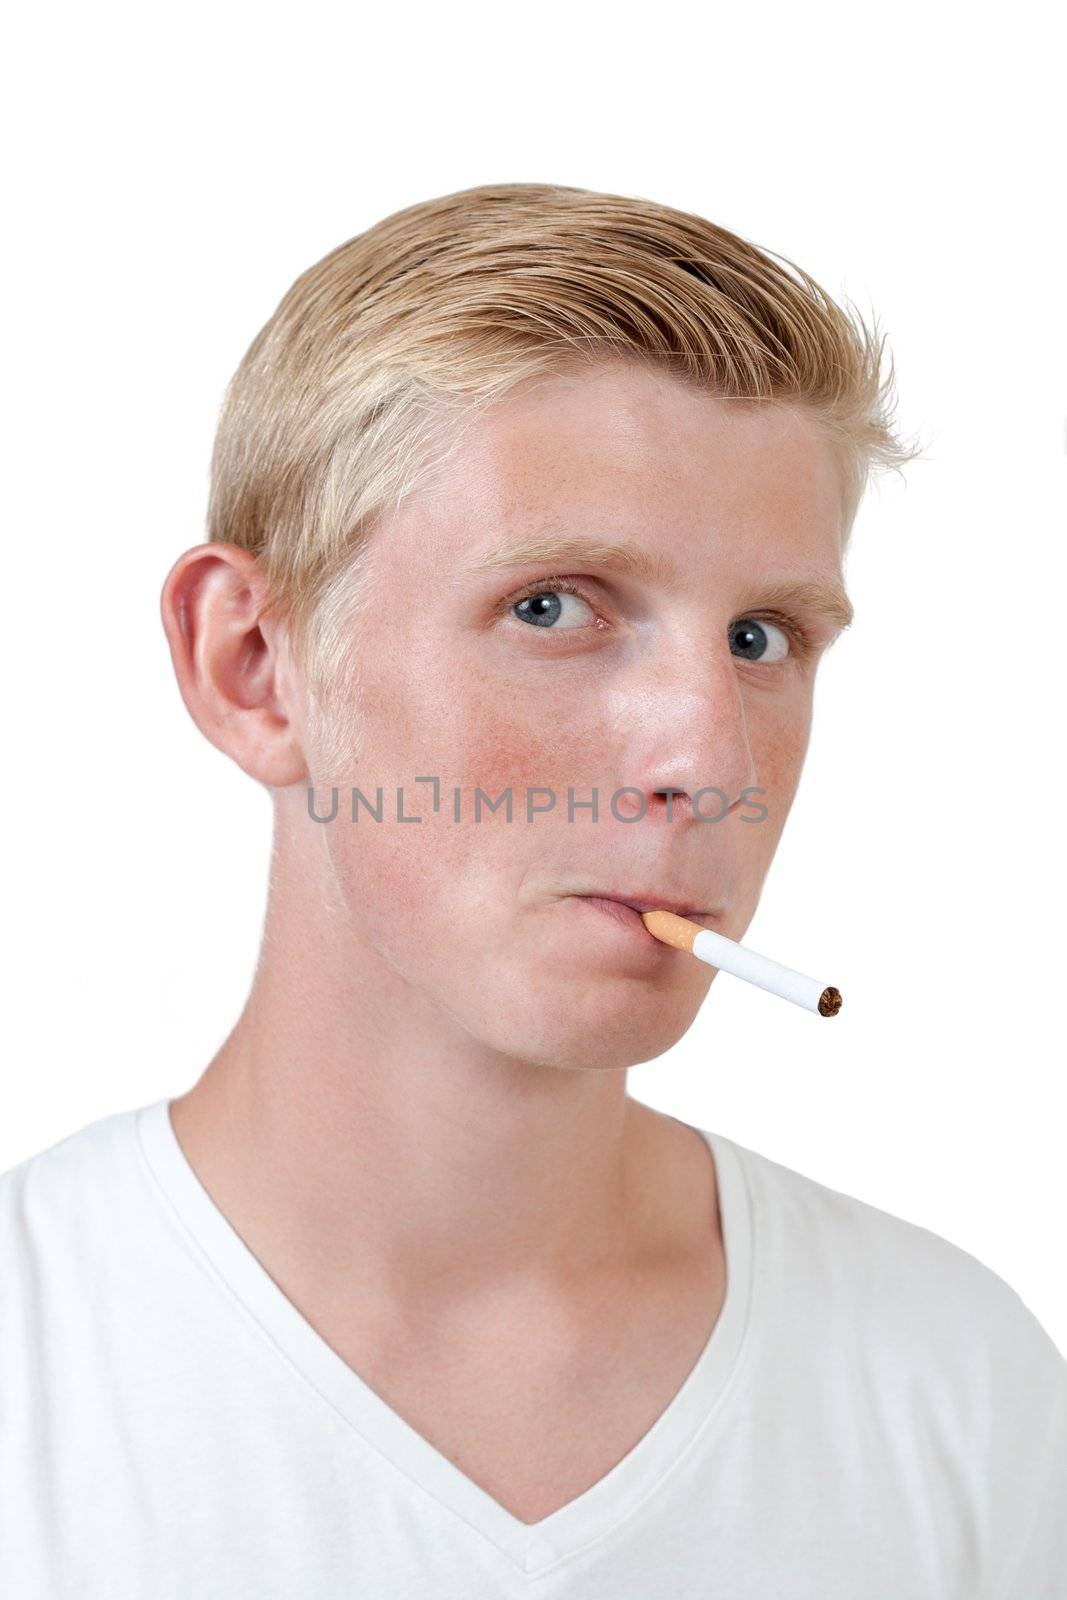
column 621, row 453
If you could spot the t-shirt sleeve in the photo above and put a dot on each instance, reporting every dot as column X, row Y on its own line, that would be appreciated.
column 1037, row 1564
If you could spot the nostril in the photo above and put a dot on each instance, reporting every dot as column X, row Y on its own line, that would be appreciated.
column 671, row 795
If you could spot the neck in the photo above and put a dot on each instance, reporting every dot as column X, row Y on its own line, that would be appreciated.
column 350, row 1128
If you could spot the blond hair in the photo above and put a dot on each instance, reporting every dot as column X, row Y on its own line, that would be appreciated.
column 379, row 349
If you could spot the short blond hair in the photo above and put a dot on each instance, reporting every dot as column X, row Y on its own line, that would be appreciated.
column 340, row 401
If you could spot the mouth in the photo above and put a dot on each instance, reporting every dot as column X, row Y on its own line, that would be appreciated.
column 627, row 911
column 649, row 902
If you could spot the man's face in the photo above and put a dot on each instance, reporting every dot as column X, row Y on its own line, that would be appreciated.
column 646, row 680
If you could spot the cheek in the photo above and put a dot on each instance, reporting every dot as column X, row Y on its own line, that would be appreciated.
column 473, row 731
column 779, row 743
column 783, row 762
column 441, row 895
column 422, row 874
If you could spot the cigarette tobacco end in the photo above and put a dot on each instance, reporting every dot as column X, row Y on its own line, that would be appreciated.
column 830, row 1002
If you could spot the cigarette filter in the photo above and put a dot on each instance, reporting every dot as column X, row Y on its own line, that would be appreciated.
column 729, row 956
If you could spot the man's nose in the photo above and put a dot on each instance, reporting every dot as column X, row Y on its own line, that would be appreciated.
column 687, row 747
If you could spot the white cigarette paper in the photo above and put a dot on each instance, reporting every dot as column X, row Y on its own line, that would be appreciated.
column 729, row 956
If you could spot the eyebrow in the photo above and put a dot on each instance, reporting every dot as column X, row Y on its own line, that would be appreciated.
column 829, row 599
column 650, row 566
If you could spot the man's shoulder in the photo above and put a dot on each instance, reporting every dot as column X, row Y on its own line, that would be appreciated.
column 69, row 1155
column 894, row 1281
column 63, row 1198
column 908, row 1336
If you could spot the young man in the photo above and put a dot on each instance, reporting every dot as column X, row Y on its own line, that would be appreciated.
column 540, row 492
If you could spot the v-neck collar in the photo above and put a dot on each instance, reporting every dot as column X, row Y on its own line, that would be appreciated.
column 532, row 1547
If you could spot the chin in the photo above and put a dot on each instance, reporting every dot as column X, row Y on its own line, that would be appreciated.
column 595, row 1040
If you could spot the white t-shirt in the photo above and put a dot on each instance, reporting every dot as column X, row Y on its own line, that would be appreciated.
column 875, row 1416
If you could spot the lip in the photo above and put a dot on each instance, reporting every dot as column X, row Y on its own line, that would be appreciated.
column 646, row 902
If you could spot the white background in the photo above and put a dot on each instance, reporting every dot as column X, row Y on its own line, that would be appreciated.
column 170, row 174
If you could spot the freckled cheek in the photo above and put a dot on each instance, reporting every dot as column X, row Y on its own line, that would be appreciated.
column 517, row 756
column 779, row 748
column 497, row 734
column 469, row 733
column 784, row 761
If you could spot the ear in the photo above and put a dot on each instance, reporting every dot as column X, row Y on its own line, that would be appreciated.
column 231, row 672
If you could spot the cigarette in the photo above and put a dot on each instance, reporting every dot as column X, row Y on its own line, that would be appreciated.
column 729, row 956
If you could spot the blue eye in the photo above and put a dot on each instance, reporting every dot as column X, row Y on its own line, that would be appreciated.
column 544, row 607
column 750, row 637
column 558, row 605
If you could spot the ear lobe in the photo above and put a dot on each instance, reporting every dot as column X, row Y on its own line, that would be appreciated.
column 275, row 758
